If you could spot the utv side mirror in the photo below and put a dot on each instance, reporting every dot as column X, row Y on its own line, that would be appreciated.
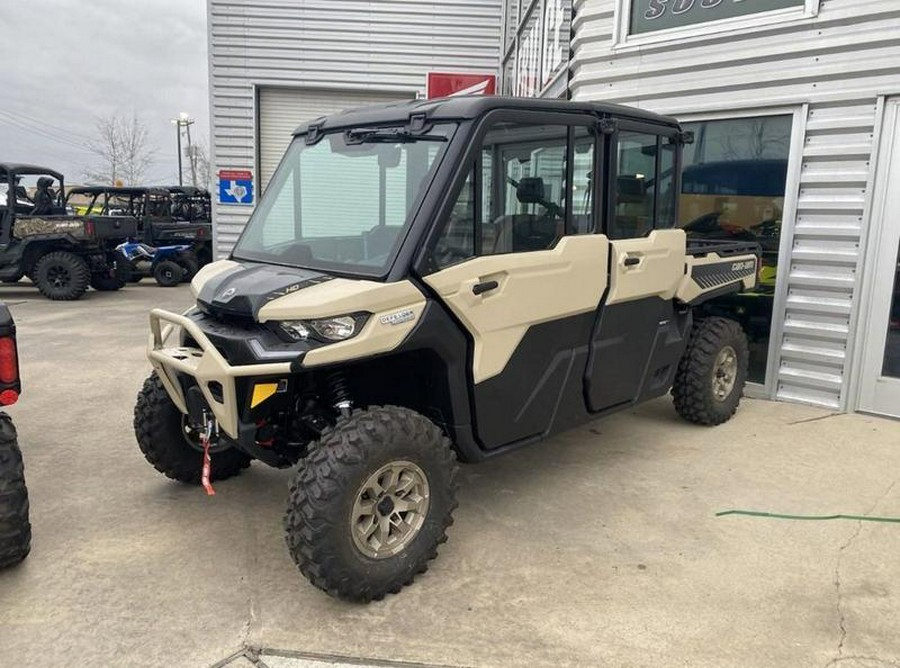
column 389, row 156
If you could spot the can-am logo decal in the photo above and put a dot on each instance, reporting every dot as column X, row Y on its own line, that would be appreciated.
column 228, row 294
column 398, row 317
column 744, row 266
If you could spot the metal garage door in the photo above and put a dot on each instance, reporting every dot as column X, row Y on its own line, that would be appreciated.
column 281, row 110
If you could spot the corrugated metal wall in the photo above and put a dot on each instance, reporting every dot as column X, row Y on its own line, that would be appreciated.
column 347, row 45
column 837, row 63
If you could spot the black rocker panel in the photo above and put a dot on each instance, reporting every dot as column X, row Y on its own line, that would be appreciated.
column 635, row 348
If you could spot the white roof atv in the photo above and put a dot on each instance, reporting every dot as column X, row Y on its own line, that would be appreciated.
column 432, row 281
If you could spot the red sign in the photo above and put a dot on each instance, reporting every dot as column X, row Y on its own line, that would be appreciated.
column 235, row 175
column 444, row 84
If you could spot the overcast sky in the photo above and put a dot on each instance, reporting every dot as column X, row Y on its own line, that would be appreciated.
column 65, row 62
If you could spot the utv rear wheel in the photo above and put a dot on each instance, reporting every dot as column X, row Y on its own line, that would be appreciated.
column 371, row 503
column 712, row 372
column 103, row 283
column 168, row 273
column 169, row 443
column 15, row 530
column 189, row 265
column 62, row 276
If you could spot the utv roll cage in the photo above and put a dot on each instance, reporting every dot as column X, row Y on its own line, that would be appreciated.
column 51, row 203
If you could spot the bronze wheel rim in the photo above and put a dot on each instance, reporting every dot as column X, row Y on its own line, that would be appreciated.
column 724, row 374
column 389, row 509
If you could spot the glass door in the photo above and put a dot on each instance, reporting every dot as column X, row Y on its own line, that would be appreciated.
column 880, row 387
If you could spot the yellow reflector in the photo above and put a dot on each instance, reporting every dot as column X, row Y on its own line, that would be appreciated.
column 261, row 392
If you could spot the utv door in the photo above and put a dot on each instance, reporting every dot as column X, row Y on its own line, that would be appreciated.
column 639, row 335
column 519, row 265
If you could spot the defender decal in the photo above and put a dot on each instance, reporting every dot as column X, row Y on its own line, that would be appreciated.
column 397, row 318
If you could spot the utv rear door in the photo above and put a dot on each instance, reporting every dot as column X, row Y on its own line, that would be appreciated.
column 519, row 264
column 639, row 335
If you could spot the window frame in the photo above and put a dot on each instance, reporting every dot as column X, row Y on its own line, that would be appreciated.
column 471, row 159
column 611, row 181
column 624, row 41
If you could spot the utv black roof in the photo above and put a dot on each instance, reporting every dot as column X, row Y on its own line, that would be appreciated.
column 118, row 190
column 22, row 170
column 190, row 191
column 468, row 107
column 112, row 190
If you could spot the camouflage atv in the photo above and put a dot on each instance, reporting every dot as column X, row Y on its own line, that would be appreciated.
column 62, row 253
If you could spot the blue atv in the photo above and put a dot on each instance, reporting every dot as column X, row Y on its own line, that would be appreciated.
column 169, row 265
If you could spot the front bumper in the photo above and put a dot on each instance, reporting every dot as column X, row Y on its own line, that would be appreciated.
column 215, row 377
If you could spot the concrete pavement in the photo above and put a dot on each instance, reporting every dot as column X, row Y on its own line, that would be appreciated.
column 600, row 547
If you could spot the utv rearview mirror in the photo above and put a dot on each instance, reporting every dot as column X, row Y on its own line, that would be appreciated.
column 389, row 156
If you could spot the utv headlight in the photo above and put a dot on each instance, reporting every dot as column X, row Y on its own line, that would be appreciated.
column 296, row 329
column 334, row 329
column 338, row 328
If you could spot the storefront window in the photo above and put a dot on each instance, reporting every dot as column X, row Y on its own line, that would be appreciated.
column 892, row 346
column 733, row 186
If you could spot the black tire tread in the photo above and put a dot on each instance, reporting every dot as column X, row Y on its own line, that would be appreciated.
column 157, row 427
column 15, row 529
column 81, row 275
column 319, row 484
column 691, row 390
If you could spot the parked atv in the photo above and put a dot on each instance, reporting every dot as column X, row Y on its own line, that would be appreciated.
column 436, row 281
column 168, row 265
column 15, row 529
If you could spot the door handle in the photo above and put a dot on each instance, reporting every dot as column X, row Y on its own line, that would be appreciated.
column 479, row 288
column 631, row 261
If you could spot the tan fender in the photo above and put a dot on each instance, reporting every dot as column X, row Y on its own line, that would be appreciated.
column 395, row 308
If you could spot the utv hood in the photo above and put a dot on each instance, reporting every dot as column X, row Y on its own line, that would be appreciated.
column 229, row 288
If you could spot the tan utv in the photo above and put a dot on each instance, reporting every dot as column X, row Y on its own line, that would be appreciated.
column 436, row 281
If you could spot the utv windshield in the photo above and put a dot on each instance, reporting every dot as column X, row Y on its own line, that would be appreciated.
column 344, row 202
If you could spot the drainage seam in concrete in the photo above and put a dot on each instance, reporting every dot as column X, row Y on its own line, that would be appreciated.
column 255, row 656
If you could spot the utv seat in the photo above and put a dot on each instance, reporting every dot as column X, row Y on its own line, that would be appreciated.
column 380, row 239
column 522, row 232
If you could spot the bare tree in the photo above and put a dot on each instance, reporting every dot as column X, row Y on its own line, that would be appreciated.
column 123, row 151
column 754, row 139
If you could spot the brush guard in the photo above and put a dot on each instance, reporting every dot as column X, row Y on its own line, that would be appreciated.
column 205, row 364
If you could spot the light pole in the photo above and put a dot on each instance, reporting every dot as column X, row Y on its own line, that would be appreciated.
column 185, row 121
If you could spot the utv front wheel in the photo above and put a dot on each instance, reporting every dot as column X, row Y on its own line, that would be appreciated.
column 15, row 530
column 62, row 276
column 171, row 445
column 712, row 372
column 371, row 503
